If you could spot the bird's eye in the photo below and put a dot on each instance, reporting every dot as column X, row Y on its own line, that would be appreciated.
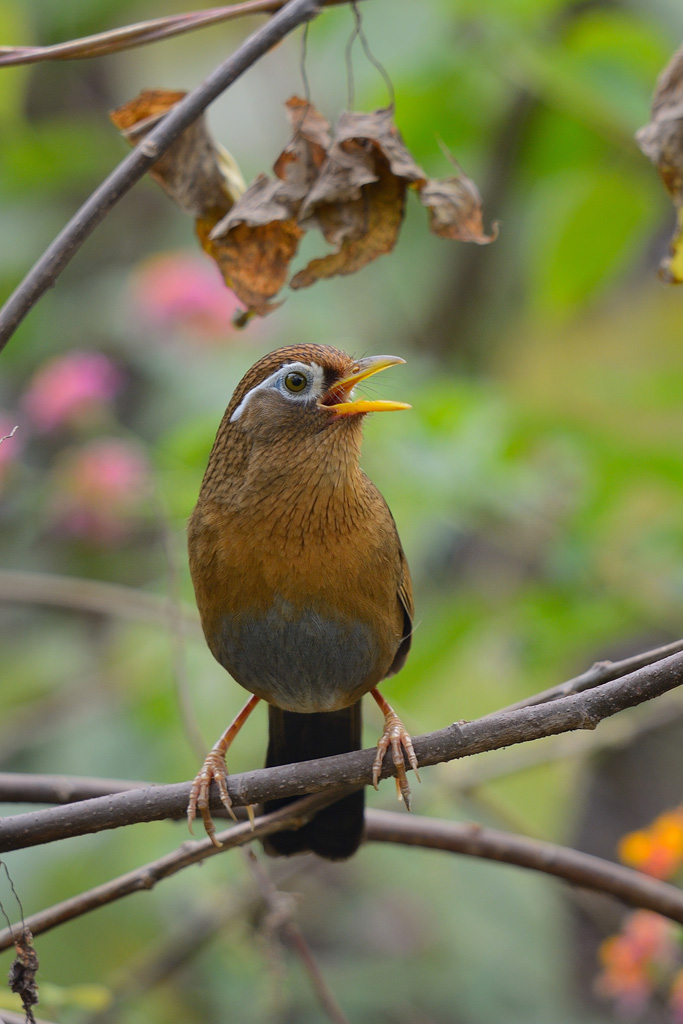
column 295, row 381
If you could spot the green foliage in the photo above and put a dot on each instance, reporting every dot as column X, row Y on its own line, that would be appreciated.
column 537, row 484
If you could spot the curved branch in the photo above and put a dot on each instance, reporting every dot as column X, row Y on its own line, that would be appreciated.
column 471, row 840
column 69, row 240
column 600, row 672
column 578, row 711
column 573, row 866
column 143, row 32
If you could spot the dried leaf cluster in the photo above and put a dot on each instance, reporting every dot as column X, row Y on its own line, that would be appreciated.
column 349, row 184
column 22, row 974
column 661, row 140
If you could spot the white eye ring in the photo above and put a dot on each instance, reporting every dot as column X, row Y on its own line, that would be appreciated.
column 313, row 385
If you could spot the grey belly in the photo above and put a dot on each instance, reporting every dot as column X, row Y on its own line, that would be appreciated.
column 300, row 661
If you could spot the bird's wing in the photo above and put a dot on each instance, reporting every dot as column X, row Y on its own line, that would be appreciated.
column 405, row 599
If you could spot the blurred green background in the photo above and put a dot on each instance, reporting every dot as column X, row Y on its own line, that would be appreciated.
column 537, row 485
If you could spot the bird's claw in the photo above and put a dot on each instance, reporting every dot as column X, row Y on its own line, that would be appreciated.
column 397, row 737
column 215, row 770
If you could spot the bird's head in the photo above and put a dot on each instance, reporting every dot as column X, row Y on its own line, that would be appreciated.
column 304, row 390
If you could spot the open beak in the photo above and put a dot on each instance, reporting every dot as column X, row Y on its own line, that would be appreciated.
column 339, row 400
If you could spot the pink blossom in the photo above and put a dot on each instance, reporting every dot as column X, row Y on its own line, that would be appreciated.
column 70, row 390
column 100, row 490
column 636, row 959
column 184, row 291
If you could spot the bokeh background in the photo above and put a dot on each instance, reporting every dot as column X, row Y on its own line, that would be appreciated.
column 537, row 485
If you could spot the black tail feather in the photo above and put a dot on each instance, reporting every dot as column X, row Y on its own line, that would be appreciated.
column 336, row 831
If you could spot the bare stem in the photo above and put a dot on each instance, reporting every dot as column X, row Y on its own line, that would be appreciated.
column 281, row 908
column 140, row 34
column 600, row 672
column 67, row 243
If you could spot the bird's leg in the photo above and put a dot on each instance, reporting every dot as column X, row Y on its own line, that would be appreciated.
column 215, row 769
column 395, row 736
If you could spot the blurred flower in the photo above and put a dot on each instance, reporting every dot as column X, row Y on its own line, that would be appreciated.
column 637, row 960
column 10, row 445
column 99, row 490
column 676, row 998
column 657, row 850
column 71, row 390
column 179, row 290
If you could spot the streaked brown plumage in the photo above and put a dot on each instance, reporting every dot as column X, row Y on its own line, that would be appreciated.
column 301, row 582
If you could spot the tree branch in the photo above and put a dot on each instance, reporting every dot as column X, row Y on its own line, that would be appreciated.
column 143, row 32
column 59, row 253
column 190, row 852
column 573, row 866
column 578, row 711
column 472, row 840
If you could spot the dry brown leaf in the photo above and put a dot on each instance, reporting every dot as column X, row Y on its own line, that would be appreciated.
column 661, row 140
column 379, row 129
column 255, row 243
column 352, row 188
column 454, row 208
column 255, row 261
column 361, row 142
column 358, row 198
column 304, row 155
column 199, row 175
column 371, row 227
column 351, row 200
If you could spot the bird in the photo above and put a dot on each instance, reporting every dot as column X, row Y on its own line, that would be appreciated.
column 301, row 582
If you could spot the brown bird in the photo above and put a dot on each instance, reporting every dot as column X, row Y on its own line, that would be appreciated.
column 301, row 582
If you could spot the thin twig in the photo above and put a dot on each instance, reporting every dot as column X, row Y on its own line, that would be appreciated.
column 11, row 1017
column 60, row 252
column 600, row 672
column 190, row 852
column 91, row 596
column 141, row 33
column 180, row 943
column 8, row 437
column 280, row 906
column 578, row 711
column 578, row 868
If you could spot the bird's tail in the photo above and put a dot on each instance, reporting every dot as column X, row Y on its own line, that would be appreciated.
column 336, row 831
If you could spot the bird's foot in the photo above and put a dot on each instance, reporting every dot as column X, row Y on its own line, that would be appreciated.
column 397, row 737
column 215, row 770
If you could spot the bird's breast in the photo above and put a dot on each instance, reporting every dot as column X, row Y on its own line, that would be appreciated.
column 300, row 659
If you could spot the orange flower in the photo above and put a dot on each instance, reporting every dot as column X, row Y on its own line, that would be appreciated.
column 657, row 850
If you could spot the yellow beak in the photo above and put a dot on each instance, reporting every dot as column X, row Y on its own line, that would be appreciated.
column 364, row 368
